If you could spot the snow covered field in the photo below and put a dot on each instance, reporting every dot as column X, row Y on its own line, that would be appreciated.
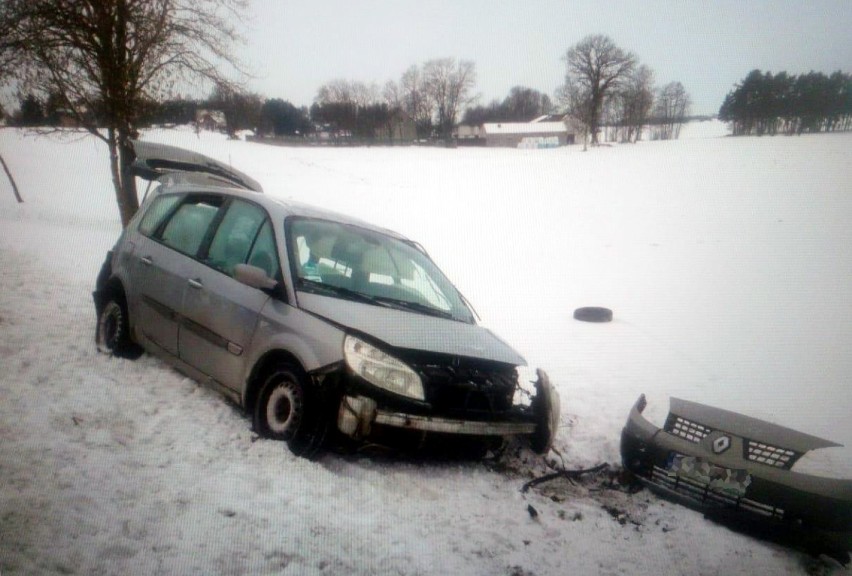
column 725, row 261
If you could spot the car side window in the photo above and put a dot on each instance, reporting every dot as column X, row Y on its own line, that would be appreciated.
column 159, row 209
column 235, row 236
column 264, row 254
column 186, row 229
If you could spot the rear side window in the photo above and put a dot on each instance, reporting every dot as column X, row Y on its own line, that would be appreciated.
column 186, row 230
column 159, row 209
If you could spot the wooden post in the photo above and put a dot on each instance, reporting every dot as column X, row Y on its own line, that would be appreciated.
column 12, row 180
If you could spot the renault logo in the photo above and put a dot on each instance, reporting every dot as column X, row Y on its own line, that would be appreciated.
column 721, row 444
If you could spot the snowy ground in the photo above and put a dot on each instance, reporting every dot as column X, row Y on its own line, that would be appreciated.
column 725, row 262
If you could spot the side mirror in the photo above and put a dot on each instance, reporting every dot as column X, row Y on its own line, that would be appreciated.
column 254, row 277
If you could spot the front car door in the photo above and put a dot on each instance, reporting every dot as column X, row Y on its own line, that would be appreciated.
column 219, row 313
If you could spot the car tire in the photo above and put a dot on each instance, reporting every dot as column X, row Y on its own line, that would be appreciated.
column 593, row 314
column 546, row 406
column 112, row 334
column 287, row 410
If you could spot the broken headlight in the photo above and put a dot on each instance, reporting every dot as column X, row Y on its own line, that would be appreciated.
column 381, row 369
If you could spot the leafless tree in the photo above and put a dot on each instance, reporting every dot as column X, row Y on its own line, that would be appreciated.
column 576, row 101
column 355, row 107
column 352, row 92
column 365, row 94
column 397, row 114
column 595, row 67
column 336, row 91
column 673, row 103
column 449, row 84
column 105, row 57
column 633, row 102
column 392, row 95
column 524, row 104
column 242, row 110
column 415, row 100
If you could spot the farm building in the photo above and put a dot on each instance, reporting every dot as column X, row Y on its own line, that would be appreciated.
column 212, row 120
column 535, row 134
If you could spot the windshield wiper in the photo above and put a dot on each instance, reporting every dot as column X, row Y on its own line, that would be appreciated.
column 415, row 307
column 375, row 300
column 340, row 291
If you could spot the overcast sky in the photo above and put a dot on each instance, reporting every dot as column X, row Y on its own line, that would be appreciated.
column 294, row 46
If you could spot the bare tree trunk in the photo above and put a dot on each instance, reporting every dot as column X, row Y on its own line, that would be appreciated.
column 120, row 158
column 594, row 117
column 126, row 156
column 12, row 180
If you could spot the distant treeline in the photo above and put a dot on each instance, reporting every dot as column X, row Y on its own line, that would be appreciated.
column 764, row 103
column 239, row 111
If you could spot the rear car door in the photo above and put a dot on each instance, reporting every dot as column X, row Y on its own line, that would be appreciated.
column 164, row 252
column 219, row 313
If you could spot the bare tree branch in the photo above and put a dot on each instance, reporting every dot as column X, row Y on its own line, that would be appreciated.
column 104, row 58
column 595, row 67
column 448, row 85
column 12, row 180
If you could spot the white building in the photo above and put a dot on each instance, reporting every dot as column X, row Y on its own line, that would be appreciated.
column 535, row 134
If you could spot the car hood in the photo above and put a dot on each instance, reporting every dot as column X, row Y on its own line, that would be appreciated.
column 412, row 331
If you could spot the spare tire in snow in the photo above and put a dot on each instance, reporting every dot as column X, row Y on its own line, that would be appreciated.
column 593, row 314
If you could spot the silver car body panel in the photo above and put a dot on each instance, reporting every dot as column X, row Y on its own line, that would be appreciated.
column 158, row 281
column 313, row 341
column 412, row 331
column 219, row 330
column 219, row 316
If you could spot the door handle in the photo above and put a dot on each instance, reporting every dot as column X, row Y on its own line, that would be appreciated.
column 195, row 283
column 146, row 260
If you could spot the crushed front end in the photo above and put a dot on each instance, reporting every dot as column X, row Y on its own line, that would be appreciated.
column 440, row 396
column 738, row 470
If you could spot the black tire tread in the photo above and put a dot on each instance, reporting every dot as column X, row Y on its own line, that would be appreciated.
column 310, row 434
column 593, row 314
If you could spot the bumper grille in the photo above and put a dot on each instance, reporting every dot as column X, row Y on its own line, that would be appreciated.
column 770, row 455
column 702, row 493
column 686, row 429
column 469, row 392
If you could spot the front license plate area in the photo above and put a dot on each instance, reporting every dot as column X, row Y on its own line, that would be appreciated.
column 728, row 481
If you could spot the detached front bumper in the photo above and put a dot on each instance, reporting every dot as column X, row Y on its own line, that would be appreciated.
column 737, row 470
column 359, row 415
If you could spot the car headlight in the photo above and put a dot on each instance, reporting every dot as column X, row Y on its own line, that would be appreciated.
column 381, row 369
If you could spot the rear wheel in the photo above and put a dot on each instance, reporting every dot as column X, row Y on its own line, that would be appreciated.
column 288, row 409
column 112, row 335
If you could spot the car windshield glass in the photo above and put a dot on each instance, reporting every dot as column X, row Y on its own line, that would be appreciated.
column 387, row 271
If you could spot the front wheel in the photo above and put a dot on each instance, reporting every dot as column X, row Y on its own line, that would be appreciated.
column 112, row 335
column 288, row 410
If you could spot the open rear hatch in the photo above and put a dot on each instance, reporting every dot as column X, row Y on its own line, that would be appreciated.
column 155, row 160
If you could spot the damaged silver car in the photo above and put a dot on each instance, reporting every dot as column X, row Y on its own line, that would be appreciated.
column 315, row 323
column 739, row 471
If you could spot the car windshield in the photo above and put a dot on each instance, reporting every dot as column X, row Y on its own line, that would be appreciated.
column 354, row 263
